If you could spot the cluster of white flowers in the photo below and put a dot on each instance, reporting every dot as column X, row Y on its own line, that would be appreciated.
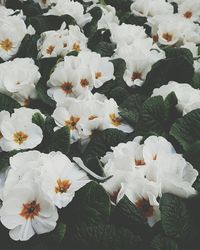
column 38, row 188
column 12, row 32
column 138, row 51
column 72, row 8
column 83, row 116
column 61, row 42
column 144, row 171
column 17, row 130
column 18, row 79
column 76, row 76
column 188, row 97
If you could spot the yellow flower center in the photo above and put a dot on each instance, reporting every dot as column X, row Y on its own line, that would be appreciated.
column 1, row 136
column 50, row 49
column 84, row 83
column 92, row 117
column 62, row 186
column 188, row 14
column 30, row 210
column 167, row 36
column 98, row 75
column 20, row 137
column 136, row 75
column 139, row 162
column 67, row 87
column 76, row 47
column 72, row 122
column 6, row 44
column 115, row 120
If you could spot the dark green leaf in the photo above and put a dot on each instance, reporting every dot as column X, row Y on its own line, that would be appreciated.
column 161, row 242
column 175, row 218
column 7, row 103
column 91, row 205
column 107, row 237
column 60, row 141
column 186, row 130
column 126, row 215
column 102, row 141
column 50, row 22
column 38, row 120
column 193, row 155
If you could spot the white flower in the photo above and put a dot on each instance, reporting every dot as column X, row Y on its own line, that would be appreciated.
column 143, row 194
column 24, row 167
column 18, row 79
column 188, row 97
column 126, row 33
column 61, row 183
column 27, row 211
column 4, row 115
column 166, row 33
column 12, row 32
column 112, row 117
column 108, row 17
column 139, row 58
column 154, row 146
column 154, row 164
column 61, row 42
column 20, row 73
column 175, row 175
column 190, row 9
column 151, row 7
column 4, row 12
column 19, row 132
column 74, row 9
column 102, row 69
column 83, row 116
column 76, row 76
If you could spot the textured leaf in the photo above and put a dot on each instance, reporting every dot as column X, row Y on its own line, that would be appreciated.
column 102, row 141
column 186, row 130
column 7, row 103
column 163, row 243
column 175, row 218
column 127, row 215
column 91, row 205
column 107, row 237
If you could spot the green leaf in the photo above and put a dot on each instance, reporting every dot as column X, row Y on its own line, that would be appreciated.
column 102, row 141
column 28, row 47
column 134, row 103
column 175, row 218
column 91, row 205
column 50, row 22
column 38, row 119
column 161, row 242
column 107, row 237
column 4, row 159
column 7, row 103
column 186, row 129
column 104, row 48
column 123, row 5
column 196, row 81
column 41, row 89
column 91, row 27
column 61, row 140
column 152, row 117
column 119, row 94
column 130, row 18
column 178, row 66
column 129, row 116
column 193, row 155
column 127, row 215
